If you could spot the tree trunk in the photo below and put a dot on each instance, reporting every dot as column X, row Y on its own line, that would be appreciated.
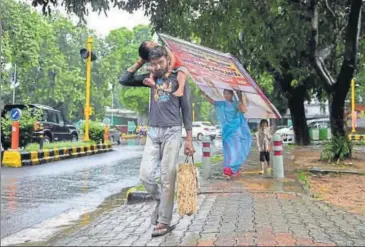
column 338, row 89
column 337, row 109
column 297, row 112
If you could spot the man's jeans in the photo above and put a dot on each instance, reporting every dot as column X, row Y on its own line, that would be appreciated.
column 162, row 148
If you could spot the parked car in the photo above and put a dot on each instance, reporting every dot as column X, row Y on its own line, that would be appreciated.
column 115, row 135
column 287, row 134
column 51, row 125
column 201, row 129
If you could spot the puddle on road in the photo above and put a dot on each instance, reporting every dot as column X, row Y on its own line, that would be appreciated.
column 134, row 142
column 256, row 183
column 109, row 203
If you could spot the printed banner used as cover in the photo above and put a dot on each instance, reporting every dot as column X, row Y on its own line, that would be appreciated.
column 215, row 71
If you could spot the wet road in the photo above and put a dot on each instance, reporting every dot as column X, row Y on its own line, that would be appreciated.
column 69, row 188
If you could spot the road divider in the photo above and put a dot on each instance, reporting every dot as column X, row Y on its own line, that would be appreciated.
column 129, row 136
column 357, row 137
column 12, row 158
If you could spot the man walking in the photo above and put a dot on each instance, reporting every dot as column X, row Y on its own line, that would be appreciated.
column 164, row 135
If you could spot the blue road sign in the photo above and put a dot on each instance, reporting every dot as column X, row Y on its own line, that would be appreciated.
column 15, row 114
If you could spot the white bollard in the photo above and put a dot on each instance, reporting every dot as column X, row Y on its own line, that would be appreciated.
column 278, row 163
column 206, row 166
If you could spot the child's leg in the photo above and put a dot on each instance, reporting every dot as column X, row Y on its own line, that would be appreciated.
column 262, row 161
column 268, row 159
column 181, row 79
column 269, row 170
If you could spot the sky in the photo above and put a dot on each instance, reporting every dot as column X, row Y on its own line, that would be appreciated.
column 116, row 19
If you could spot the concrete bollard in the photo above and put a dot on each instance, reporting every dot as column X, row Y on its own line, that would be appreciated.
column 15, row 135
column 206, row 157
column 278, row 162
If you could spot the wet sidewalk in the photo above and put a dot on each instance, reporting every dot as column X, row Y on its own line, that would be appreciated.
column 249, row 210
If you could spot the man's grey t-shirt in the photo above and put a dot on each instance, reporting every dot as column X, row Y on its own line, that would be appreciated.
column 166, row 110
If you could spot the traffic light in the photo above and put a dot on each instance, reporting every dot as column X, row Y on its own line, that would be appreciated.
column 85, row 54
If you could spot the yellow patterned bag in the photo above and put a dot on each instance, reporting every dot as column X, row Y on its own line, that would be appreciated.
column 187, row 188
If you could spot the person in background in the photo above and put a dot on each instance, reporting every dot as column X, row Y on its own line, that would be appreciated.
column 263, row 140
column 236, row 135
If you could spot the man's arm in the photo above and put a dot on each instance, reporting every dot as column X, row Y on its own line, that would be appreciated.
column 188, row 122
column 130, row 79
column 187, row 112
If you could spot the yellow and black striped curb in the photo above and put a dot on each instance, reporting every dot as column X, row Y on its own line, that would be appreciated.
column 24, row 158
column 357, row 137
column 130, row 136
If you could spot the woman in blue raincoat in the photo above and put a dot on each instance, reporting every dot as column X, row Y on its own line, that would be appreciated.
column 236, row 135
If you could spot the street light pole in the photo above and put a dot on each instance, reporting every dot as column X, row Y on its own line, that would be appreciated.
column 88, row 78
column 112, row 105
column 14, row 84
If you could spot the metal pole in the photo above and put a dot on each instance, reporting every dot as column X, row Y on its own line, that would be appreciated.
column 193, row 112
column 14, row 95
column 353, row 115
column 88, row 77
column 14, row 83
column 278, row 163
column 112, row 106
column 206, row 166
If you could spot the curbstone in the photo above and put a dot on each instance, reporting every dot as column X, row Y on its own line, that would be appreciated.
column 25, row 158
column 356, row 137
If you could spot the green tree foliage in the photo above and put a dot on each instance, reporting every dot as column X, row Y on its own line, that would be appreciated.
column 50, row 70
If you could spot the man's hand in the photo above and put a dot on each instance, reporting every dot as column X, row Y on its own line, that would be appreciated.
column 189, row 148
column 149, row 82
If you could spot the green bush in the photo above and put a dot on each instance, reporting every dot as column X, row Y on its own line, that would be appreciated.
column 337, row 149
column 26, row 126
column 96, row 131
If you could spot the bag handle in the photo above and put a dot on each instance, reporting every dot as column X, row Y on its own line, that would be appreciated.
column 187, row 159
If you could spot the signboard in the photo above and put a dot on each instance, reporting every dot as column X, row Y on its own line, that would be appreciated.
column 131, row 126
column 215, row 71
column 15, row 114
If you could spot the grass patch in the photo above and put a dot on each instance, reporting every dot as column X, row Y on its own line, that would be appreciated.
column 52, row 145
column 214, row 160
column 304, row 178
column 359, row 143
column 198, row 164
column 140, row 187
column 217, row 158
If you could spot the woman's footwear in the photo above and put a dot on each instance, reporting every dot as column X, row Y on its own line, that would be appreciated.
column 236, row 174
column 227, row 171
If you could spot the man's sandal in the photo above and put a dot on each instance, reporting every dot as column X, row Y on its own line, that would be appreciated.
column 162, row 231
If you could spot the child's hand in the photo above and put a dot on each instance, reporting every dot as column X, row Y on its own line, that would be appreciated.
column 150, row 69
column 141, row 61
column 178, row 93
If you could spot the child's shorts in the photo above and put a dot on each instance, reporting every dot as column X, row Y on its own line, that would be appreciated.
column 264, row 156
